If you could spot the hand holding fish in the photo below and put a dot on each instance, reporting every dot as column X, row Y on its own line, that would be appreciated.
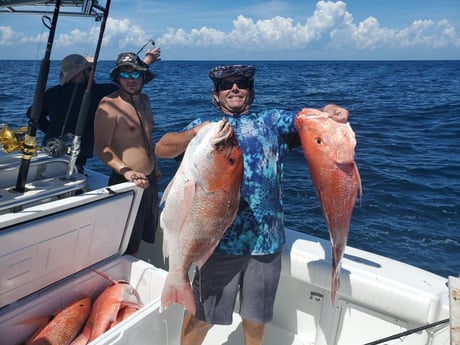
column 334, row 112
column 197, row 128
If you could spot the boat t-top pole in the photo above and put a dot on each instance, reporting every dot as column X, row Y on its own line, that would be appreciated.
column 29, row 147
column 86, row 100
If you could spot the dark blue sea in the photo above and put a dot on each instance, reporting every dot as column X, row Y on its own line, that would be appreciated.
column 406, row 116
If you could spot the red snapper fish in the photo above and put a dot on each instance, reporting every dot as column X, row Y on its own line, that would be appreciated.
column 106, row 310
column 329, row 148
column 200, row 204
column 64, row 326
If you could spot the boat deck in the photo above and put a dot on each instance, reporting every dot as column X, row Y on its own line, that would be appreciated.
column 372, row 298
column 233, row 335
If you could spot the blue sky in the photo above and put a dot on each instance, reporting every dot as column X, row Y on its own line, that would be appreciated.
column 251, row 30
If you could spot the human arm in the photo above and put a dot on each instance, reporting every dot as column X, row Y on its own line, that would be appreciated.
column 173, row 144
column 43, row 121
column 152, row 56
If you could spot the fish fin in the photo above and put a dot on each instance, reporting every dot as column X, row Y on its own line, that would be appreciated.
column 336, row 267
column 166, row 235
column 181, row 294
column 166, row 192
column 123, row 313
column 42, row 321
column 189, row 194
column 360, row 187
column 335, row 283
column 130, row 305
column 82, row 338
column 39, row 321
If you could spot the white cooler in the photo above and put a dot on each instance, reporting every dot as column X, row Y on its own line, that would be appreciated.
column 48, row 262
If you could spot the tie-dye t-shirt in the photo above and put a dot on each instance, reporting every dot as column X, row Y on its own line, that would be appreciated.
column 259, row 225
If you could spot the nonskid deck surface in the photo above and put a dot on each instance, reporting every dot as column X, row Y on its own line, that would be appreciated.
column 233, row 335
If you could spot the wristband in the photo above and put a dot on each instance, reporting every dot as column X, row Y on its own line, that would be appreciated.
column 124, row 170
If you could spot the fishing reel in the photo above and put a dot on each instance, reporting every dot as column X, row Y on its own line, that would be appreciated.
column 11, row 139
column 59, row 146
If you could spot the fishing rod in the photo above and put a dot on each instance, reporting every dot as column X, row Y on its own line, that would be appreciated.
column 145, row 45
column 408, row 332
column 29, row 147
column 86, row 100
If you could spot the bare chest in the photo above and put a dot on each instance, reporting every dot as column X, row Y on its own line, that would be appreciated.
column 131, row 120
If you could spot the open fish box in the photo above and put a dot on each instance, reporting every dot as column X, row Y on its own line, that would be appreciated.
column 50, row 261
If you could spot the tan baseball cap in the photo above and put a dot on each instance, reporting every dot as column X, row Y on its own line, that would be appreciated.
column 72, row 65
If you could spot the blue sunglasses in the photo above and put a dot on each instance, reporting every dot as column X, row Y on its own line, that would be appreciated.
column 127, row 75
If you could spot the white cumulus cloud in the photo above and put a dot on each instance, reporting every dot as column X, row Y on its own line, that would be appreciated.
column 329, row 28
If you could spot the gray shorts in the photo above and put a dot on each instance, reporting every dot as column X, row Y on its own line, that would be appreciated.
column 217, row 284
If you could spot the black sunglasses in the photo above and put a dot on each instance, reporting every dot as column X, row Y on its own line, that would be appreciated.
column 228, row 84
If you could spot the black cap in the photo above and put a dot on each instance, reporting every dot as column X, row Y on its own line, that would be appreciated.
column 221, row 72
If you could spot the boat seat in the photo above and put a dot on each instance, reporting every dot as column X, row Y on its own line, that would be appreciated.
column 365, row 280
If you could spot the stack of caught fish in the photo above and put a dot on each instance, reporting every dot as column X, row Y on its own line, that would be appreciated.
column 79, row 322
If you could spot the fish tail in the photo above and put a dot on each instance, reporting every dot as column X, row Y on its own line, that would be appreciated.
column 336, row 265
column 181, row 294
column 335, row 284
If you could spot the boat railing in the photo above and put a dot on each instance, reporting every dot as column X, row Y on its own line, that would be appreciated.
column 46, row 181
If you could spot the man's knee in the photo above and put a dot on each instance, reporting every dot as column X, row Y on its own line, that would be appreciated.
column 253, row 332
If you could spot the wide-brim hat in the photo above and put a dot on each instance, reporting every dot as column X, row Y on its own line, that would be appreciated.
column 131, row 60
column 72, row 65
column 221, row 72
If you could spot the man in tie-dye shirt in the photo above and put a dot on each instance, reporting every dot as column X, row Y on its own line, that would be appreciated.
column 248, row 257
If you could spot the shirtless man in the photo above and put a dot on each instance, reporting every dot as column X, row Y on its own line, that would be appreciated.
column 122, row 128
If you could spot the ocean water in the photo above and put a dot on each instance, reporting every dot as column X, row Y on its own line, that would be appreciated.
column 405, row 115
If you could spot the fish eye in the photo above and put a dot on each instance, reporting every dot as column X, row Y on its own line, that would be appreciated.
column 318, row 141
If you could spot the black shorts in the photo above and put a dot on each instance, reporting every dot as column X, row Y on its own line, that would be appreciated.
column 147, row 216
column 217, row 284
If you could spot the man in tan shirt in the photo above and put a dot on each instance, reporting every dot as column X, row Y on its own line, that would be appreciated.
column 122, row 129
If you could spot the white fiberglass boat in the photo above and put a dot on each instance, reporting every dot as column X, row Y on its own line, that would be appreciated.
column 58, row 228
column 49, row 250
